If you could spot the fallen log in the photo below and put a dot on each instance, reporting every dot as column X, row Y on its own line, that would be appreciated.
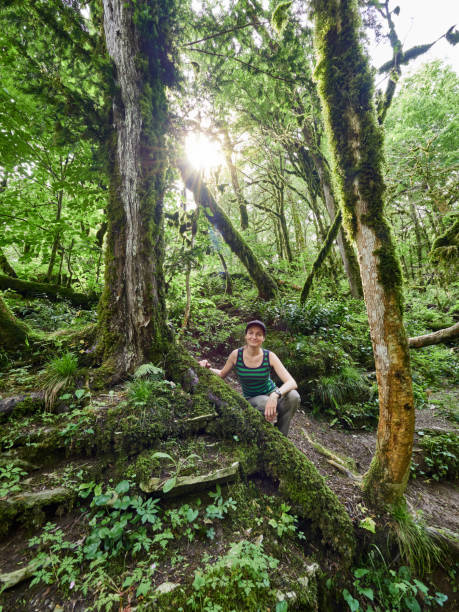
column 442, row 335
column 54, row 293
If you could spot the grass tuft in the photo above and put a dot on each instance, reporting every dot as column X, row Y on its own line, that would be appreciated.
column 59, row 373
column 416, row 546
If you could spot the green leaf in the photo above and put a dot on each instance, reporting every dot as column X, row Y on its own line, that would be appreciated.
column 281, row 606
column 79, row 393
column 169, row 484
column 360, row 572
column 412, row 604
column 368, row 523
column 143, row 588
column 123, row 486
column 367, row 592
column 160, row 455
column 191, row 515
column 351, row 602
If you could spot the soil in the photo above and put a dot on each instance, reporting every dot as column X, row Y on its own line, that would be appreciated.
column 438, row 503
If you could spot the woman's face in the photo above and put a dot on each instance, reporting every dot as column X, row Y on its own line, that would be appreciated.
column 255, row 336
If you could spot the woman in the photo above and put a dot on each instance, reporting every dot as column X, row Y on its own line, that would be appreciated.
column 252, row 364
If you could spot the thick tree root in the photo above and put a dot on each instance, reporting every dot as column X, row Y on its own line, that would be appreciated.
column 298, row 478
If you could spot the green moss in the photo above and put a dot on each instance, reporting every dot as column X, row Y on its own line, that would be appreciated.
column 386, row 492
column 299, row 480
column 13, row 333
column 345, row 85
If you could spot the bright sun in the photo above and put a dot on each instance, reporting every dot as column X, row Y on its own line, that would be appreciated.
column 203, row 153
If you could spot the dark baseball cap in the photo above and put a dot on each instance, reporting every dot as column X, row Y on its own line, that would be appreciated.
column 256, row 322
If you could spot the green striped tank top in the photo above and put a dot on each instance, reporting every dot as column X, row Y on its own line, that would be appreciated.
column 254, row 381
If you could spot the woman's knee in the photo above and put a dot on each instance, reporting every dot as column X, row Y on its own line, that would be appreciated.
column 293, row 398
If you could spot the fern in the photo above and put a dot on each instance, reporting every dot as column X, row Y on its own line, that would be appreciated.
column 148, row 370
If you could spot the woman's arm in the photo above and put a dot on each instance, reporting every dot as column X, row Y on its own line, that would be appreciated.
column 229, row 365
column 289, row 383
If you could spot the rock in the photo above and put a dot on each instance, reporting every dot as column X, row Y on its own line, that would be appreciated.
column 41, row 498
column 8, row 404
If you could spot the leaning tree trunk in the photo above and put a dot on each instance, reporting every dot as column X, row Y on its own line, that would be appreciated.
column 132, row 326
column 345, row 248
column 265, row 284
column 331, row 235
column 346, row 91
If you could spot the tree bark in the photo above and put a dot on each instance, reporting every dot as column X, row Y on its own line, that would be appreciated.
column 346, row 91
column 132, row 326
column 57, row 237
column 265, row 284
column 228, row 150
column 348, row 258
column 334, row 228
column 55, row 293
column 442, row 335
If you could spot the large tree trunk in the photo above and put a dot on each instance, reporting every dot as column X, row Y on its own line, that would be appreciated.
column 265, row 284
column 13, row 333
column 132, row 325
column 346, row 90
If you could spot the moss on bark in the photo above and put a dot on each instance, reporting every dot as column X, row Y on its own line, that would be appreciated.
column 54, row 293
column 298, row 478
column 13, row 333
column 345, row 85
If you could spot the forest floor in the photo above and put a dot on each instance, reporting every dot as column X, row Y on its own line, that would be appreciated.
column 341, row 456
column 437, row 502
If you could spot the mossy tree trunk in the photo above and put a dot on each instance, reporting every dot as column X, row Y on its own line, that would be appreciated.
column 265, row 284
column 5, row 265
column 55, row 293
column 348, row 258
column 132, row 326
column 346, row 90
column 334, row 228
column 13, row 333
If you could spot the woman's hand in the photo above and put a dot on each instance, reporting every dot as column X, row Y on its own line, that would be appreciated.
column 204, row 363
column 271, row 409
